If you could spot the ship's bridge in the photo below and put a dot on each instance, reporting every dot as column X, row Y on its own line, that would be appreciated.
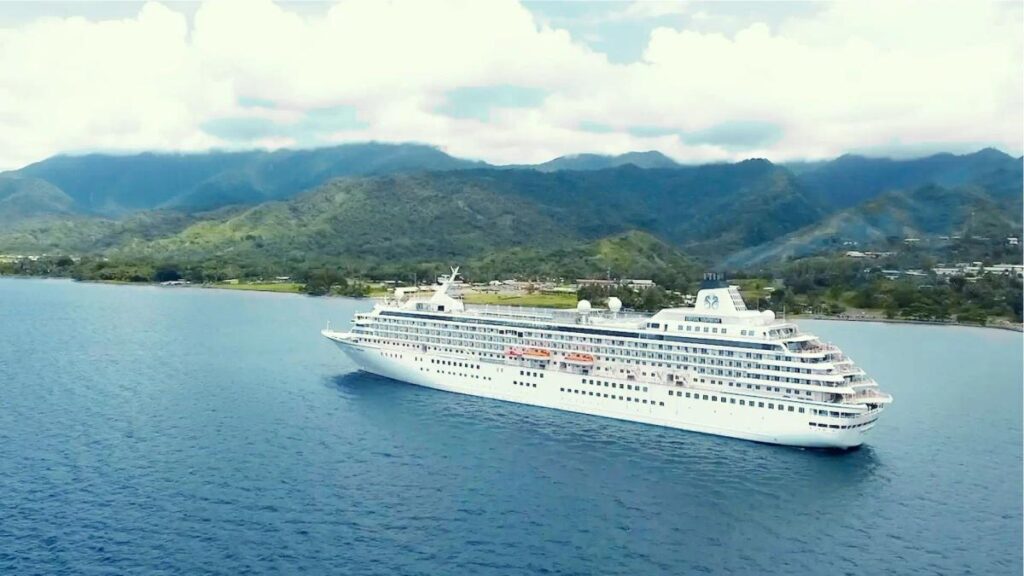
column 720, row 309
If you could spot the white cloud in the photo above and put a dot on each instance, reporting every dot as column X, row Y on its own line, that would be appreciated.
column 849, row 76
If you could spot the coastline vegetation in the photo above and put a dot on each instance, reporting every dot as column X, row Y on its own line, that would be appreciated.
column 827, row 286
column 838, row 287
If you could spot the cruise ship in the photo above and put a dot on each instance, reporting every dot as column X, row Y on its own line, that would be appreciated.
column 716, row 368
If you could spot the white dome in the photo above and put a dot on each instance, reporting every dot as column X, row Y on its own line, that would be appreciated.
column 768, row 314
column 614, row 304
column 583, row 306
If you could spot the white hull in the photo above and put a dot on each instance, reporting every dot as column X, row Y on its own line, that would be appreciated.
column 568, row 391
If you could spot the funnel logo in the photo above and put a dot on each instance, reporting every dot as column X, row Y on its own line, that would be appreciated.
column 711, row 301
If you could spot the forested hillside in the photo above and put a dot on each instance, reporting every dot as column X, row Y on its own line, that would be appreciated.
column 379, row 209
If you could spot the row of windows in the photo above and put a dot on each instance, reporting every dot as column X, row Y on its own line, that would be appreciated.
column 531, row 373
column 610, row 396
column 527, row 384
column 712, row 330
column 741, row 402
column 841, row 427
column 463, row 374
column 606, row 384
column 758, row 387
column 834, row 414
column 455, row 363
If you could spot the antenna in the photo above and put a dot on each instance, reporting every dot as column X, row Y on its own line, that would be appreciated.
column 443, row 288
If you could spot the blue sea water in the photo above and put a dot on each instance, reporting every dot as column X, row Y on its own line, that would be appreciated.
column 150, row 430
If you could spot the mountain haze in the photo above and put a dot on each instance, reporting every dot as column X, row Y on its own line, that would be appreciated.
column 651, row 159
column 850, row 180
column 116, row 185
column 24, row 198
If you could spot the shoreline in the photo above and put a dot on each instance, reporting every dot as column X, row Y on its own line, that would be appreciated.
column 1001, row 326
column 1007, row 326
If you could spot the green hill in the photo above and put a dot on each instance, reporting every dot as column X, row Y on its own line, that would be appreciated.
column 365, row 221
column 629, row 255
column 115, row 185
column 884, row 222
column 850, row 180
column 24, row 198
column 706, row 210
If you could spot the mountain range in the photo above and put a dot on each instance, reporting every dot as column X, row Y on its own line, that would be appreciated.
column 371, row 206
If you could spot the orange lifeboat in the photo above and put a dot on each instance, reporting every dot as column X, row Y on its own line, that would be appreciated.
column 514, row 352
column 537, row 353
column 579, row 358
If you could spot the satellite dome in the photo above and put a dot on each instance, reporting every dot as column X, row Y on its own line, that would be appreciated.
column 583, row 307
column 614, row 304
column 768, row 314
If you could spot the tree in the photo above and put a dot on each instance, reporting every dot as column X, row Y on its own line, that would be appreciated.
column 166, row 274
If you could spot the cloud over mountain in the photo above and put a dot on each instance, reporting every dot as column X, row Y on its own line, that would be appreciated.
column 498, row 82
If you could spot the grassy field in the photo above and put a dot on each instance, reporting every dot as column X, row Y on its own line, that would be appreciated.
column 288, row 287
column 540, row 300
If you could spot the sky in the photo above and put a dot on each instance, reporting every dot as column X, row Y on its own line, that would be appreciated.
column 513, row 82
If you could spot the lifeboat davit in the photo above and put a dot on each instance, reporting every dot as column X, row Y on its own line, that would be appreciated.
column 537, row 353
column 579, row 358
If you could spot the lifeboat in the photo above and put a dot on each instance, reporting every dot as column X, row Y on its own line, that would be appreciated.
column 514, row 352
column 537, row 353
column 578, row 358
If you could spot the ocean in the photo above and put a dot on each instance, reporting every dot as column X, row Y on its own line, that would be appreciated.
column 148, row 430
